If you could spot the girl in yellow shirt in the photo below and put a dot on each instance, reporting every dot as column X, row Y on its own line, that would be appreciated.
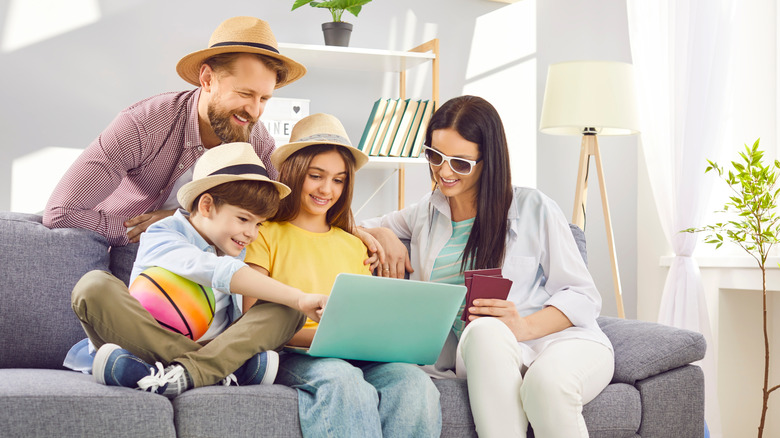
column 305, row 245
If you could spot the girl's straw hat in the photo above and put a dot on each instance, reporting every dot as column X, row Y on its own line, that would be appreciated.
column 239, row 35
column 225, row 163
column 317, row 129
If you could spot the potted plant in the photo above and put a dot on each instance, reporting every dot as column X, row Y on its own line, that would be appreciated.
column 753, row 224
column 336, row 32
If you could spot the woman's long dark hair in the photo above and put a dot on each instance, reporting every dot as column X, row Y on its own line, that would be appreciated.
column 477, row 121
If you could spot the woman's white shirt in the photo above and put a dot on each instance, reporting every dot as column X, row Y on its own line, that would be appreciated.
column 542, row 260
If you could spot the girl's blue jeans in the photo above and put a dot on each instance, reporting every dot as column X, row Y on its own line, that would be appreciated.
column 339, row 398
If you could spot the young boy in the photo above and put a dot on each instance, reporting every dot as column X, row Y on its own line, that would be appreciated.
column 228, row 199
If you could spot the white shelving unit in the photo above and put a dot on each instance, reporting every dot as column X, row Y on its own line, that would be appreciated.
column 343, row 58
column 393, row 162
column 380, row 61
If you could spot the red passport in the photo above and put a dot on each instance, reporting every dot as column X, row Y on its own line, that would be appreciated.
column 468, row 275
column 484, row 283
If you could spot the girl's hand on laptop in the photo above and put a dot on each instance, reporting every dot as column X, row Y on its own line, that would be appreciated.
column 312, row 305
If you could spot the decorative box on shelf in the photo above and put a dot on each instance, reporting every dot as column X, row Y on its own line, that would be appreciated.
column 281, row 114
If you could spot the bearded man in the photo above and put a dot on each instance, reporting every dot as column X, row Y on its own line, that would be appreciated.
column 127, row 178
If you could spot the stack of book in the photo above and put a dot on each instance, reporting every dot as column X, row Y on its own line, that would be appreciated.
column 396, row 128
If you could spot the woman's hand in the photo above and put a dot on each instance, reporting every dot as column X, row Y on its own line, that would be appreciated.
column 395, row 262
column 503, row 310
column 536, row 325
column 376, row 254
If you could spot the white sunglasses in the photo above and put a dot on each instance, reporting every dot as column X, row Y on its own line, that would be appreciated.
column 458, row 165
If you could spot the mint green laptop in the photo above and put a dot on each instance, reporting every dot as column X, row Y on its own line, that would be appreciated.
column 385, row 320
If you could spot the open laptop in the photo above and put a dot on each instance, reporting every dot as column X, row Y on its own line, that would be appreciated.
column 385, row 320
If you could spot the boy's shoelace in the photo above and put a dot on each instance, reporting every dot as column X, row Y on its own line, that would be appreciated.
column 230, row 380
column 159, row 378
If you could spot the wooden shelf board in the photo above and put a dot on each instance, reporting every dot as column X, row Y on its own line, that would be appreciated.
column 333, row 57
column 393, row 162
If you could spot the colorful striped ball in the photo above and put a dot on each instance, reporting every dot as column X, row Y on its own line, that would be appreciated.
column 178, row 304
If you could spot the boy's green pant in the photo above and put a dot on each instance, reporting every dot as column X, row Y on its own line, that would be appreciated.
column 109, row 314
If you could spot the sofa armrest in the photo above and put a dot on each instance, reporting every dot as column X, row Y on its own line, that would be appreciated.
column 673, row 403
column 39, row 269
column 644, row 349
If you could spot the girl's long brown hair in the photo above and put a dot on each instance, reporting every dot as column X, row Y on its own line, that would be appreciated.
column 293, row 172
column 477, row 121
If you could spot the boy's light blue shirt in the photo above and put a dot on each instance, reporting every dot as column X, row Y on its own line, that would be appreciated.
column 174, row 244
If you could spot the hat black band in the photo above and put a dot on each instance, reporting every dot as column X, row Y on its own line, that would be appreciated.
column 241, row 169
column 239, row 43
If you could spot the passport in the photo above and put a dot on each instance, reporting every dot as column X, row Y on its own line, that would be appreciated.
column 484, row 283
column 468, row 275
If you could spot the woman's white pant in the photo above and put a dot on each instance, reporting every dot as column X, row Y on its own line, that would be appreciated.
column 504, row 396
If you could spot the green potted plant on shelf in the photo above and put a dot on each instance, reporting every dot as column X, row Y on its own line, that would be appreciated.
column 753, row 224
column 336, row 32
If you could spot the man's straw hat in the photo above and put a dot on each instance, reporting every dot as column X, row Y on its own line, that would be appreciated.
column 239, row 35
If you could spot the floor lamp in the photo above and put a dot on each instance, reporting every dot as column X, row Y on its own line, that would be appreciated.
column 591, row 98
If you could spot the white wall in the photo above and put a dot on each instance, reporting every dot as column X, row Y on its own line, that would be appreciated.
column 61, row 89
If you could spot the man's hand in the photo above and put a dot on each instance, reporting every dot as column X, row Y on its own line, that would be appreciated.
column 396, row 258
column 312, row 305
column 139, row 224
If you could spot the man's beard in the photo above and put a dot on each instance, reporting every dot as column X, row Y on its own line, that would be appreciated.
column 224, row 129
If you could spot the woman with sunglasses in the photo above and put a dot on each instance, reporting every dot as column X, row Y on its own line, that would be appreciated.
column 538, row 356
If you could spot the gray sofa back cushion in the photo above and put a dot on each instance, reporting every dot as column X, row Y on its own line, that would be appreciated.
column 642, row 350
column 579, row 239
column 38, row 325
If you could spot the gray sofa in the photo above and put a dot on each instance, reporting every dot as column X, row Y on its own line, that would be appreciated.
column 656, row 392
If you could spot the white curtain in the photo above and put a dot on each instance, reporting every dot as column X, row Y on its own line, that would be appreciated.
column 680, row 51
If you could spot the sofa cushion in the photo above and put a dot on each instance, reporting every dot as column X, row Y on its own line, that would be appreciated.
column 273, row 410
column 122, row 259
column 644, row 349
column 49, row 403
column 615, row 413
column 39, row 269
column 456, row 418
column 259, row 410
column 579, row 239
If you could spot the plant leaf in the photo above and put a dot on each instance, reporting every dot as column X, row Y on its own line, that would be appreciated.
column 299, row 3
column 753, row 221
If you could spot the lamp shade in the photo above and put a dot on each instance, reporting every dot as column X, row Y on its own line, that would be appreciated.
column 589, row 94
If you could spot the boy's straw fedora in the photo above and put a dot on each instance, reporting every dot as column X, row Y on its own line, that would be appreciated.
column 317, row 128
column 239, row 35
column 225, row 163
